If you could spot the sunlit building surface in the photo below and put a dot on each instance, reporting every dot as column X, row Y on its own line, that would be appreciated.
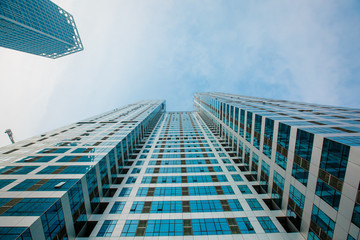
column 236, row 167
column 38, row 27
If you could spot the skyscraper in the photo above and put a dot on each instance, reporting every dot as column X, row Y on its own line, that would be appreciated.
column 38, row 27
column 240, row 167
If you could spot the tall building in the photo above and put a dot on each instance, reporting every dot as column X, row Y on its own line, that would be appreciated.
column 235, row 168
column 38, row 27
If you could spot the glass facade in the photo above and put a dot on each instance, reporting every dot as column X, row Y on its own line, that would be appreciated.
column 38, row 27
column 280, row 137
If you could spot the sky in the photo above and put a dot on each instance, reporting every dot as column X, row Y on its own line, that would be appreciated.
column 295, row 50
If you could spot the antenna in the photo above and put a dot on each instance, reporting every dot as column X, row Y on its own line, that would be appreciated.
column 10, row 134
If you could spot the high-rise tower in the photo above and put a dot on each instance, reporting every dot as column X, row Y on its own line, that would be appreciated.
column 38, row 27
column 239, row 167
column 303, row 157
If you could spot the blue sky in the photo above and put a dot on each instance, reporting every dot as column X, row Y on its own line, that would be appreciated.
column 295, row 50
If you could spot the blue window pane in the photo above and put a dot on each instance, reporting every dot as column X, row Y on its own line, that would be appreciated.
column 117, row 207
column 279, row 180
column 5, row 182
column 131, row 180
column 30, row 207
column 231, row 168
column 172, row 227
column 323, row 221
column 54, row 150
column 125, row 192
column 12, row 232
column 44, row 185
column 17, row 170
column 267, row 225
column 254, row 204
column 245, row 225
column 37, row 159
column 334, row 158
column 328, row 194
column 281, row 160
column 297, row 196
column 284, row 135
column 129, row 229
column 216, row 226
column 65, row 170
column 244, row 189
column 80, row 159
column 237, row 178
column 107, row 228
column 300, row 174
column 53, row 221
column 304, row 144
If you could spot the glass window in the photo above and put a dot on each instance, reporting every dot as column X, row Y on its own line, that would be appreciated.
column 231, row 168
column 166, row 207
column 17, row 170
column 125, row 192
column 164, row 227
column 117, row 207
column 13, row 233
column 300, row 174
column 304, row 144
column 328, row 194
column 107, row 228
column 297, row 196
column 131, row 180
column 267, row 225
column 265, row 167
column 65, row 169
column 190, row 191
column 136, row 170
column 281, row 160
column 80, row 159
column 44, row 185
column 235, row 205
column 53, row 221
column 216, row 226
column 279, row 180
column 323, row 221
column 5, row 182
column 139, row 163
column 76, row 200
column 284, row 135
column 129, row 229
column 248, row 126
column 137, row 207
column 244, row 189
column 254, row 204
column 225, row 160
column 334, row 158
column 37, row 159
column 54, row 150
column 30, row 207
column 267, row 150
column 205, row 206
column 237, row 178
column 269, row 128
column 91, row 180
column 244, row 225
